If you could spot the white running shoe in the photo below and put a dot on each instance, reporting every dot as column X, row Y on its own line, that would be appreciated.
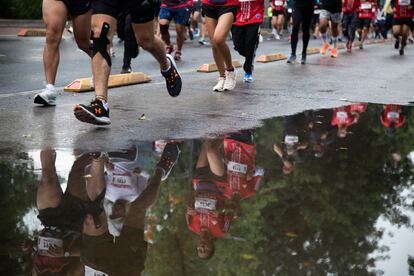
column 230, row 81
column 220, row 85
column 47, row 96
column 277, row 36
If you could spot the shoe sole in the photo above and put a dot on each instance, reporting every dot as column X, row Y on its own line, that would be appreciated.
column 40, row 100
column 169, row 171
column 85, row 116
column 170, row 57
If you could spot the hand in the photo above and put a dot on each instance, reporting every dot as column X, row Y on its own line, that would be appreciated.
column 56, row 251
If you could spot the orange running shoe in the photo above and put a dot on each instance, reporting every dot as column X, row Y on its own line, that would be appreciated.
column 324, row 48
column 334, row 53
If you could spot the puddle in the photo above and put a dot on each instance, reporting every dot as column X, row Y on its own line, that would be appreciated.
column 323, row 192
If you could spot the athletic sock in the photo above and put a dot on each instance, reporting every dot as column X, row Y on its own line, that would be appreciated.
column 324, row 37
column 335, row 41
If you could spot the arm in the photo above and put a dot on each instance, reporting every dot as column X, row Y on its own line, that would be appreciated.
column 387, row 6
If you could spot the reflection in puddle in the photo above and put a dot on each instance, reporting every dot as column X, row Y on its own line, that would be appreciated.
column 323, row 191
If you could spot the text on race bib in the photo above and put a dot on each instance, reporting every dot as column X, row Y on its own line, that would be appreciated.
column 393, row 115
column 122, row 180
column 342, row 115
column 205, row 203
column 404, row 2
column 43, row 243
column 237, row 167
column 366, row 6
column 278, row 3
column 291, row 139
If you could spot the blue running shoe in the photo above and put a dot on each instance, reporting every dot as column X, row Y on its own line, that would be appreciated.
column 248, row 77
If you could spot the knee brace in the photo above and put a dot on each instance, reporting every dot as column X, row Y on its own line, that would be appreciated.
column 164, row 29
column 101, row 43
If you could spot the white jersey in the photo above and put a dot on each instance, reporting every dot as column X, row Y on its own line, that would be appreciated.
column 121, row 183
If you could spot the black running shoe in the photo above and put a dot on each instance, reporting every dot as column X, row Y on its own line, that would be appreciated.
column 172, row 78
column 168, row 159
column 401, row 52
column 126, row 70
column 397, row 44
column 95, row 113
column 303, row 59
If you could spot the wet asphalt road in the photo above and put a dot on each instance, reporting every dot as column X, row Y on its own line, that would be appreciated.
column 376, row 74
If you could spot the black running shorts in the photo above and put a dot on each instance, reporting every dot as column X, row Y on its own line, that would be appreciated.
column 402, row 21
column 216, row 11
column 142, row 11
column 77, row 7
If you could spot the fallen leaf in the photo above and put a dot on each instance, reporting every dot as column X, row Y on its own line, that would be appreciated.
column 291, row 235
column 143, row 117
column 247, row 256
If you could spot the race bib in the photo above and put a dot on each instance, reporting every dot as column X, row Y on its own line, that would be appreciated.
column 366, row 6
column 89, row 271
column 290, row 10
column 278, row 3
column 393, row 115
column 342, row 115
column 237, row 167
column 404, row 2
column 291, row 139
column 122, row 180
column 43, row 243
column 317, row 11
column 205, row 203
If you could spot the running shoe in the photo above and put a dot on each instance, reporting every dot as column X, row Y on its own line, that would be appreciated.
column 202, row 41
column 324, row 48
column 303, row 59
column 361, row 46
column 96, row 113
column 230, row 80
column 349, row 46
column 219, row 87
column 172, row 78
column 291, row 59
column 334, row 53
column 47, row 97
column 401, row 52
column 126, row 70
column 168, row 159
column 397, row 44
column 177, row 55
column 248, row 77
column 197, row 32
column 277, row 36
column 411, row 39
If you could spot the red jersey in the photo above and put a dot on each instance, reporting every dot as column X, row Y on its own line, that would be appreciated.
column 360, row 108
column 241, row 178
column 343, row 116
column 367, row 9
column 250, row 12
column 206, row 213
column 278, row 5
column 350, row 5
column 403, row 9
column 392, row 114
column 221, row 2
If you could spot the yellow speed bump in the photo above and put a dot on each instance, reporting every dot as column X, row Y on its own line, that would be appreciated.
column 212, row 67
column 86, row 84
column 271, row 57
column 312, row 51
column 32, row 32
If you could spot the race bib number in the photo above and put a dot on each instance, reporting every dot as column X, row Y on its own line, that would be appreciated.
column 278, row 3
column 205, row 203
column 43, row 243
column 366, row 6
column 393, row 115
column 237, row 167
column 342, row 115
column 291, row 139
column 317, row 11
column 404, row 2
column 122, row 180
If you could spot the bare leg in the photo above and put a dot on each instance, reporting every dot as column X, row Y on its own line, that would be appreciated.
column 180, row 36
column 49, row 192
column 144, row 34
column 54, row 16
column 82, row 32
